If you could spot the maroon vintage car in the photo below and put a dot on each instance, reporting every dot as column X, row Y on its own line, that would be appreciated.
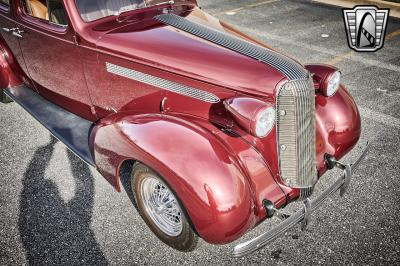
column 218, row 130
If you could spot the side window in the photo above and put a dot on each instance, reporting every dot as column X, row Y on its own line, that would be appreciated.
column 36, row 8
column 50, row 10
column 5, row 3
column 57, row 14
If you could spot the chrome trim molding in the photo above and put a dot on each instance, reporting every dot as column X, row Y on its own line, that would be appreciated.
column 162, row 83
column 295, row 126
column 290, row 68
column 300, row 216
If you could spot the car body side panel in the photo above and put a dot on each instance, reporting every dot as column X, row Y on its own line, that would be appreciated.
column 52, row 60
column 212, row 184
column 114, row 92
column 111, row 93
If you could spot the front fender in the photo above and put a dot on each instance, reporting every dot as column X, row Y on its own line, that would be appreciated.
column 338, row 125
column 10, row 72
column 205, row 176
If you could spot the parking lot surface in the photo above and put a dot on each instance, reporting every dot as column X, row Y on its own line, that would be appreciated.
column 56, row 210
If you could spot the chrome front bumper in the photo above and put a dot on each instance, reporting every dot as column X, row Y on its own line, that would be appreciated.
column 303, row 214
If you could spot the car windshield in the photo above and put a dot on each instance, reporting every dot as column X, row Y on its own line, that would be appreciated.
column 91, row 10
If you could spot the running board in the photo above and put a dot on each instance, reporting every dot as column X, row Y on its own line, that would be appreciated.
column 69, row 128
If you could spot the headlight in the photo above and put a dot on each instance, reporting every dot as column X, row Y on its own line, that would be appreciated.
column 333, row 84
column 326, row 79
column 255, row 116
column 265, row 121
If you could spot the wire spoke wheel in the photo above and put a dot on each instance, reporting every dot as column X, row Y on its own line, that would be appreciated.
column 162, row 206
column 161, row 209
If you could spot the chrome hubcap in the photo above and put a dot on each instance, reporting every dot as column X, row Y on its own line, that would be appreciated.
column 162, row 206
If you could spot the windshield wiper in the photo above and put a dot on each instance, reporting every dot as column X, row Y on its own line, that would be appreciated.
column 166, row 2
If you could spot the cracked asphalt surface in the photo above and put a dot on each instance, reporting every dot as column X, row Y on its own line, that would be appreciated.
column 56, row 210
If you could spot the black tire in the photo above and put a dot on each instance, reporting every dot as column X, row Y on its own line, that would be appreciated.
column 4, row 98
column 187, row 240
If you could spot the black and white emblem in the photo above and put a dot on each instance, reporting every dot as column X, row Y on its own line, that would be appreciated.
column 366, row 27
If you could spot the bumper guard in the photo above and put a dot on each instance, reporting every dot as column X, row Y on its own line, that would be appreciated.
column 302, row 215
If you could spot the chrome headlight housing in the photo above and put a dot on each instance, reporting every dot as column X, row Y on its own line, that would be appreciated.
column 253, row 115
column 326, row 79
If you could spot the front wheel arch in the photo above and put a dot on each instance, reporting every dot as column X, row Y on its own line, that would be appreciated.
column 210, row 184
column 11, row 74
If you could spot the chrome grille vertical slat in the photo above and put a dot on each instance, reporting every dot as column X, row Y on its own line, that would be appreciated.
column 296, row 135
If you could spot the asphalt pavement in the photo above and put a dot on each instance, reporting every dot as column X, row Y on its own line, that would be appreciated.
column 56, row 210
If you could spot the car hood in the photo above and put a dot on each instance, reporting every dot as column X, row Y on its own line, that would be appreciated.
column 171, row 49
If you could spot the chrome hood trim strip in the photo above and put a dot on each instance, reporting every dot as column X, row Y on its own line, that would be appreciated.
column 162, row 83
column 288, row 67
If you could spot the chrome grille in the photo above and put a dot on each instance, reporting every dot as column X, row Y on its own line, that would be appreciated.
column 296, row 135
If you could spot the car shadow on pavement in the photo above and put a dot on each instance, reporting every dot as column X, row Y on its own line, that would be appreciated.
column 55, row 232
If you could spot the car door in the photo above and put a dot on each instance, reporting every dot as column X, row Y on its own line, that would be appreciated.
column 51, row 55
column 7, row 25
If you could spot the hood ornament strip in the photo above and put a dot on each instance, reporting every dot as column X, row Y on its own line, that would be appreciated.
column 162, row 83
column 288, row 67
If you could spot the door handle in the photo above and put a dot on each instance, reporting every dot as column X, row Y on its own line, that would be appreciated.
column 8, row 29
column 17, row 33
